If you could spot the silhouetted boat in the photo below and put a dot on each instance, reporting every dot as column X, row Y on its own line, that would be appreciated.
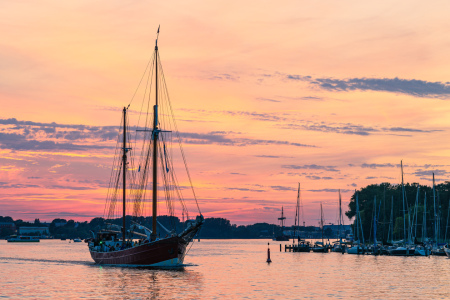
column 320, row 246
column 282, row 236
column 447, row 250
column 302, row 245
column 407, row 249
column 24, row 239
column 152, row 249
column 402, row 251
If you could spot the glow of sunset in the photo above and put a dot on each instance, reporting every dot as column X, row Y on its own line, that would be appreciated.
column 329, row 94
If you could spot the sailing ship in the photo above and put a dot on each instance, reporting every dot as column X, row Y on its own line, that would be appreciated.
column 115, row 244
column 281, row 237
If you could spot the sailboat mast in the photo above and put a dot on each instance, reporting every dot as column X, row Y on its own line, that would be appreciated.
column 375, row 221
column 435, row 214
column 321, row 221
column 340, row 215
column 404, row 211
column 124, row 169
column 424, row 222
column 297, row 215
column 391, row 223
column 356, row 219
column 155, row 148
column 298, row 209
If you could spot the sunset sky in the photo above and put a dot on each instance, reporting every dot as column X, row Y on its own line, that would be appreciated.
column 331, row 94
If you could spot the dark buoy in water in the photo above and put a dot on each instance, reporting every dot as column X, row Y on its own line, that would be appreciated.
column 268, row 254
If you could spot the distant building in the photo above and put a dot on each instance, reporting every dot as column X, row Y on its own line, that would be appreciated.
column 8, row 225
column 33, row 231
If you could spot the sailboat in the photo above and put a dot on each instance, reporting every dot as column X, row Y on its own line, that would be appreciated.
column 320, row 246
column 302, row 244
column 115, row 244
column 447, row 250
column 358, row 246
column 406, row 249
column 437, row 249
column 339, row 245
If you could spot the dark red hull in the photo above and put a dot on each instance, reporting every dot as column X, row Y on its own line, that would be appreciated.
column 165, row 252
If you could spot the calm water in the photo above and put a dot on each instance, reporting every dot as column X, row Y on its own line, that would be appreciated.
column 219, row 269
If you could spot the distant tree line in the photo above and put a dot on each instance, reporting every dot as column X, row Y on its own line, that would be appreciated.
column 391, row 216
column 214, row 228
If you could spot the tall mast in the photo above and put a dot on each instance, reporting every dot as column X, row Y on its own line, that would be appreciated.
column 384, row 214
column 391, row 223
column 321, row 221
column 404, row 211
column 446, row 226
column 124, row 169
column 356, row 219
column 435, row 214
column 375, row 221
column 424, row 222
column 298, row 207
column 340, row 214
column 155, row 146
column 282, row 218
column 416, row 212
column 297, row 214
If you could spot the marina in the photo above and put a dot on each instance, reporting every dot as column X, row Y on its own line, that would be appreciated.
column 67, row 271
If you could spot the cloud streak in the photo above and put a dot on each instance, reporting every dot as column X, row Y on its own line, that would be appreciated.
column 311, row 167
column 413, row 87
column 221, row 138
column 26, row 135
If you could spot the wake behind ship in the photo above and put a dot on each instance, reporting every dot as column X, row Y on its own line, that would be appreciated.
column 135, row 243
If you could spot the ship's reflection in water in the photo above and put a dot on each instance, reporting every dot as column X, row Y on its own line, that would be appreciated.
column 145, row 283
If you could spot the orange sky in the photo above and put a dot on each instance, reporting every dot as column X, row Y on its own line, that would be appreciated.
column 329, row 94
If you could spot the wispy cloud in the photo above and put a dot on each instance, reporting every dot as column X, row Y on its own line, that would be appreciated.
column 267, row 99
column 314, row 177
column 283, row 188
column 311, row 167
column 335, row 128
column 221, row 138
column 19, row 142
column 429, row 173
column 26, row 135
column 292, row 122
column 375, row 166
column 244, row 190
column 413, row 87
column 5, row 185
column 330, row 191
column 76, row 188
column 224, row 76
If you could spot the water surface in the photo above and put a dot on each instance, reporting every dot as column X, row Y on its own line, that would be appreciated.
column 219, row 269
